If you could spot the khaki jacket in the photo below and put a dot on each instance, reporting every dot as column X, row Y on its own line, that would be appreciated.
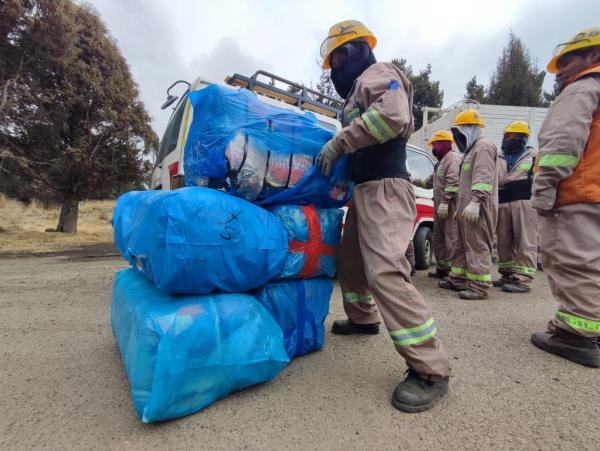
column 444, row 179
column 567, row 150
column 479, row 176
column 377, row 109
column 520, row 170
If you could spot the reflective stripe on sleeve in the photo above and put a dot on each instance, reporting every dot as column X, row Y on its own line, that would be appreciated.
column 479, row 277
column 526, row 166
column 481, row 186
column 414, row 335
column 451, row 189
column 559, row 160
column 466, row 167
column 378, row 127
column 351, row 298
column 579, row 323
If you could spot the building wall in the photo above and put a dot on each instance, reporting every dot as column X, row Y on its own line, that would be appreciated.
column 495, row 117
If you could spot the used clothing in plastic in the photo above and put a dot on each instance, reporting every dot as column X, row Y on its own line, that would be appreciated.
column 314, row 235
column 199, row 240
column 182, row 353
column 300, row 308
column 259, row 152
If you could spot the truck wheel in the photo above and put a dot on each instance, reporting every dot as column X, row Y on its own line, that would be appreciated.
column 422, row 243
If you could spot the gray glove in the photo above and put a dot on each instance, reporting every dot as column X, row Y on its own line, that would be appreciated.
column 327, row 158
column 471, row 213
column 442, row 210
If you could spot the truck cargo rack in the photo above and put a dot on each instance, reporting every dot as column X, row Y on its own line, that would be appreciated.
column 296, row 94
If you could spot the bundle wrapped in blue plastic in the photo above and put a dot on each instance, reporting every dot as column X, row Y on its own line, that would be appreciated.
column 199, row 240
column 261, row 153
column 182, row 353
column 300, row 308
column 314, row 235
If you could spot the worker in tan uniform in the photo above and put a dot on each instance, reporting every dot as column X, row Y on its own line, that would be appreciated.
column 517, row 230
column 444, row 182
column 373, row 271
column 476, row 209
column 566, row 195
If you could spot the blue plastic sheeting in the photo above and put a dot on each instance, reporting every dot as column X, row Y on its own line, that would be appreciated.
column 261, row 153
column 182, row 353
column 300, row 308
column 199, row 240
column 314, row 235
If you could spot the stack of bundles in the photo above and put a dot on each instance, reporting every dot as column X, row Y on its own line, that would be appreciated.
column 182, row 353
column 264, row 154
column 222, row 293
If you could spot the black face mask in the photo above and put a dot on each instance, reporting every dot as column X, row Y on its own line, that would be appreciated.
column 514, row 145
column 358, row 56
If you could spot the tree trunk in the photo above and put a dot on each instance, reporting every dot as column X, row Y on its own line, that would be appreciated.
column 67, row 223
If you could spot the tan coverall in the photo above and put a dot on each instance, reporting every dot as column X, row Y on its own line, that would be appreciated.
column 372, row 266
column 444, row 182
column 472, row 256
column 570, row 152
column 517, row 231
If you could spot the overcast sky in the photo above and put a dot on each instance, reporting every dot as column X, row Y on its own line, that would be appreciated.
column 166, row 40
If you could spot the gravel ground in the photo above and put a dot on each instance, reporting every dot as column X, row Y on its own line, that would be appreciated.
column 62, row 385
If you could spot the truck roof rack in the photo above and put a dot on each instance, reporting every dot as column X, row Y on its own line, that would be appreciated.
column 296, row 94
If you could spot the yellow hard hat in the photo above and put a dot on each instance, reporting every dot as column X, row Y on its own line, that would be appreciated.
column 517, row 127
column 587, row 38
column 468, row 117
column 343, row 32
column 440, row 135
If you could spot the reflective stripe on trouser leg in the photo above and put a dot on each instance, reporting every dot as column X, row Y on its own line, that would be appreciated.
column 478, row 249
column 414, row 335
column 385, row 211
column 571, row 258
column 358, row 302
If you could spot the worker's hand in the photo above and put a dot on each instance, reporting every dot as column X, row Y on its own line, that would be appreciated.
column 471, row 213
column 327, row 158
column 442, row 210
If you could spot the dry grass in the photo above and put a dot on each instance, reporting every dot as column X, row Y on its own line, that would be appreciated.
column 22, row 227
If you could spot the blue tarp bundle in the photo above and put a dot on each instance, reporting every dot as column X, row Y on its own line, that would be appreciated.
column 300, row 308
column 199, row 240
column 314, row 235
column 182, row 353
column 262, row 153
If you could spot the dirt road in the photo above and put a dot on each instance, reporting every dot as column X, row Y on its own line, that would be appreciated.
column 62, row 385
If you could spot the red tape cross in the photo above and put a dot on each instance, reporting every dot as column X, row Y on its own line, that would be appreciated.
column 314, row 248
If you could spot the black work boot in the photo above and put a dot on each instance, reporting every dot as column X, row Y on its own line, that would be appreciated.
column 514, row 288
column 437, row 274
column 501, row 281
column 447, row 285
column 413, row 271
column 472, row 295
column 416, row 394
column 584, row 351
column 347, row 327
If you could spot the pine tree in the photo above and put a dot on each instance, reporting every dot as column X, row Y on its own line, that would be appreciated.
column 516, row 80
column 73, row 126
column 475, row 91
